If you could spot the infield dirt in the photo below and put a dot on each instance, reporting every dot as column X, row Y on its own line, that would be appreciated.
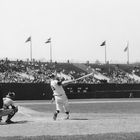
column 33, row 123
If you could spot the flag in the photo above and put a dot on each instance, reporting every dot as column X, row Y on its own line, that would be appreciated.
column 126, row 48
column 48, row 41
column 28, row 39
column 103, row 44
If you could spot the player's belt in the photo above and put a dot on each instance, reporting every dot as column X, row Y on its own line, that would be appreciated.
column 58, row 95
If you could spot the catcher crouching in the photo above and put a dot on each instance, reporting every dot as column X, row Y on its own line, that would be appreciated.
column 9, row 107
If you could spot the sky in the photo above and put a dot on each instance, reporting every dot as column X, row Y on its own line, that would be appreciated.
column 77, row 29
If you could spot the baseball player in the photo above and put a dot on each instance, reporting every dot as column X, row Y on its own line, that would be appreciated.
column 59, row 96
column 8, row 104
column 4, row 111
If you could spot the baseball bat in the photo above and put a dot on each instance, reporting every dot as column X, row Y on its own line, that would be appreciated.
column 85, row 76
column 70, row 81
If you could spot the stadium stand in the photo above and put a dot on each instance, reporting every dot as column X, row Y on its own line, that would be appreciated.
column 37, row 72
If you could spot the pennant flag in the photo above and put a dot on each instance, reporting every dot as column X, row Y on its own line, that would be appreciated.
column 103, row 44
column 28, row 39
column 126, row 49
column 48, row 41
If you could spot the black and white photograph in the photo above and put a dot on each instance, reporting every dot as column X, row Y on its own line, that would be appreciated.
column 69, row 69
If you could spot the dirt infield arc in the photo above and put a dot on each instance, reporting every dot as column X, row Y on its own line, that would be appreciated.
column 87, row 117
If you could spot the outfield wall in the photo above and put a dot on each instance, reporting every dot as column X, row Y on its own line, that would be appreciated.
column 40, row 91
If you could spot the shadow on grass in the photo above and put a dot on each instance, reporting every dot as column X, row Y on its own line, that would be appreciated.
column 21, row 122
column 15, row 122
column 79, row 119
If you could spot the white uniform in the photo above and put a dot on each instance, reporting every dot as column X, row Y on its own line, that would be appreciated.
column 7, row 102
column 6, row 110
column 61, row 99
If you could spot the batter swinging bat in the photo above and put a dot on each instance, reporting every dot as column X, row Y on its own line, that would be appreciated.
column 70, row 81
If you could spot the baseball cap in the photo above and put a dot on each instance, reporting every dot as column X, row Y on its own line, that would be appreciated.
column 52, row 75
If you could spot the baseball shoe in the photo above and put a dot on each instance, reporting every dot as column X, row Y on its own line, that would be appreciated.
column 9, row 121
column 54, row 116
column 67, row 118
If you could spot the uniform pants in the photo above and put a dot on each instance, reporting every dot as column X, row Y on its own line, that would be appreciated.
column 62, row 103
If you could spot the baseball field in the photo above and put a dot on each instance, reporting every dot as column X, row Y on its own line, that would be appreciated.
column 90, row 119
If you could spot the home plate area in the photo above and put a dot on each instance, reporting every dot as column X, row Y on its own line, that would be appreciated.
column 88, row 118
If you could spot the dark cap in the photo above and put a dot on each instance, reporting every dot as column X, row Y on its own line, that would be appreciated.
column 10, row 95
column 51, row 75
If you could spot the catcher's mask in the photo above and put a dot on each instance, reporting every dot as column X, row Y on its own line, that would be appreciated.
column 10, row 95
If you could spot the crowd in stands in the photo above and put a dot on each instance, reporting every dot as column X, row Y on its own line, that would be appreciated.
column 37, row 72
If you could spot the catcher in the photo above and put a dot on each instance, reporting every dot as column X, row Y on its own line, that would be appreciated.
column 8, row 104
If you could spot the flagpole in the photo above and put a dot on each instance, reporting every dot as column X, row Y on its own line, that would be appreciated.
column 50, row 52
column 105, row 53
column 104, row 44
column 49, row 41
column 128, row 53
column 31, row 50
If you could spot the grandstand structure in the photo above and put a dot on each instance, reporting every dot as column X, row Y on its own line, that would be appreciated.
column 37, row 72
column 30, row 80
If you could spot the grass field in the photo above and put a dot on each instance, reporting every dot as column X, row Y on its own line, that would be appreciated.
column 108, row 119
column 109, row 136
